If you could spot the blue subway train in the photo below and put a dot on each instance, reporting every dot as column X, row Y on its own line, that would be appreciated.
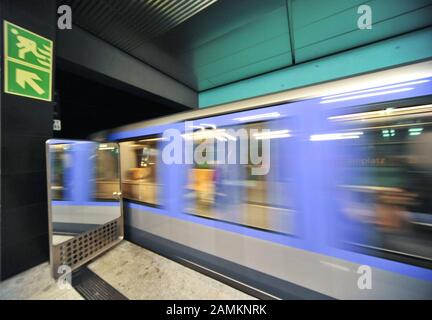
column 324, row 194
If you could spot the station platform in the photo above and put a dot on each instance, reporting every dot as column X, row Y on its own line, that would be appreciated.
column 135, row 272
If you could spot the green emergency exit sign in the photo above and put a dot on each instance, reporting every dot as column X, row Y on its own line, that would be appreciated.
column 27, row 63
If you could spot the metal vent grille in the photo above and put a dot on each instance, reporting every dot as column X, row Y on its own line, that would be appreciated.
column 129, row 23
column 78, row 249
column 82, row 248
column 93, row 287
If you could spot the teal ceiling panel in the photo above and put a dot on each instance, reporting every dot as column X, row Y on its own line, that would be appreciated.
column 408, row 48
column 309, row 12
column 337, row 29
column 258, row 46
column 415, row 19
column 260, row 67
column 252, row 34
column 250, row 56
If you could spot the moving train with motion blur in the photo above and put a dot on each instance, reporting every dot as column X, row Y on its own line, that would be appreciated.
column 343, row 209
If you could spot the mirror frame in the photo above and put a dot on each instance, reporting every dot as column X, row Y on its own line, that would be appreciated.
column 71, row 254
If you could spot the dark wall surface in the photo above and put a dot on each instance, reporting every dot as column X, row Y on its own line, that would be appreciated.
column 25, row 126
column 85, row 106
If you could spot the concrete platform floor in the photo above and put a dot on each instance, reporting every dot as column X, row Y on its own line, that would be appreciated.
column 134, row 271
column 36, row 284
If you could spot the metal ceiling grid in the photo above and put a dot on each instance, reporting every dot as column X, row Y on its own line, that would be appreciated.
column 129, row 23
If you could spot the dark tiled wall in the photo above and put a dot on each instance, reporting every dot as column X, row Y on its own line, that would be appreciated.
column 25, row 126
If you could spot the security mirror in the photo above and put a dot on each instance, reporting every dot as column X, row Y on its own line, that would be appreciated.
column 84, row 201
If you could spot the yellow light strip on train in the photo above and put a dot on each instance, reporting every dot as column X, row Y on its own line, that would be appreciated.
column 375, row 89
column 259, row 117
column 380, row 93
column 335, row 136
column 272, row 135
column 389, row 112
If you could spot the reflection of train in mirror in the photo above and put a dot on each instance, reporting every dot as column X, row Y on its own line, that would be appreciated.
column 101, row 172
column 349, row 184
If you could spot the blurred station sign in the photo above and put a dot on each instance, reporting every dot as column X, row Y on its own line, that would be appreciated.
column 28, row 63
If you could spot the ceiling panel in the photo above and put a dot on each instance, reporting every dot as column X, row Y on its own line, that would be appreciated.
column 214, row 45
column 324, row 27
column 249, row 71
column 209, row 43
column 129, row 23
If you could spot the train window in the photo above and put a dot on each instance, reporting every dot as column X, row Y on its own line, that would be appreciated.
column 232, row 190
column 386, row 173
column 139, row 160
